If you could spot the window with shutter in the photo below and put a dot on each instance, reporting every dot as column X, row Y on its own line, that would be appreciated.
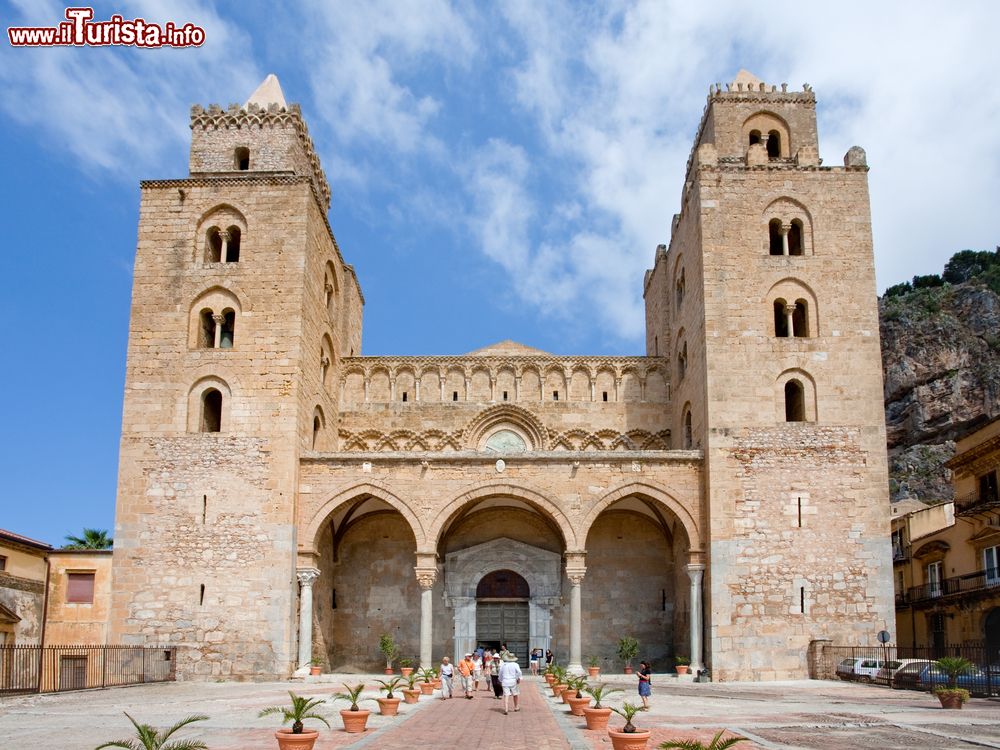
column 80, row 588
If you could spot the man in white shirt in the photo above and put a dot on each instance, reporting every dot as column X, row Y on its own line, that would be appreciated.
column 447, row 672
column 510, row 679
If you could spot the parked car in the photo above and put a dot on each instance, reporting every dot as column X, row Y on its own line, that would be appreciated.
column 975, row 680
column 868, row 670
column 907, row 676
column 846, row 668
column 889, row 669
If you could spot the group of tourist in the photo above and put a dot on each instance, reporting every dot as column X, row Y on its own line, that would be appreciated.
column 500, row 674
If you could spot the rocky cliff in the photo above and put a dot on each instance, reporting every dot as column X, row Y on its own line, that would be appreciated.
column 941, row 363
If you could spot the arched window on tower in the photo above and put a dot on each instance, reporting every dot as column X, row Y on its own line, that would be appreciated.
column 211, row 410
column 227, row 336
column 775, row 242
column 800, row 319
column 795, row 402
column 680, row 289
column 242, row 158
column 754, row 137
column 233, row 245
column 213, row 245
column 795, row 237
column 774, row 145
column 206, row 331
column 688, row 435
column 682, row 361
column 780, row 318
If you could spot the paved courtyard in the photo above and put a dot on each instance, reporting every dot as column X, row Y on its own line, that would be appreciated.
column 802, row 714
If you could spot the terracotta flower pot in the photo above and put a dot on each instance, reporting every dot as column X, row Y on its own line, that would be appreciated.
column 303, row 741
column 426, row 688
column 557, row 688
column 681, row 668
column 411, row 696
column 565, row 694
column 388, row 706
column 629, row 740
column 436, row 684
column 576, row 704
column 628, row 670
column 950, row 700
column 314, row 670
column 593, row 672
column 406, row 671
column 550, row 678
column 389, row 670
column 354, row 721
column 597, row 718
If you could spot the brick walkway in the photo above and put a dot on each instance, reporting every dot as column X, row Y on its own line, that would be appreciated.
column 476, row 723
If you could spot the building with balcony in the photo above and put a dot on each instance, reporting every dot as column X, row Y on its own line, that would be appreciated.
column 945, row 557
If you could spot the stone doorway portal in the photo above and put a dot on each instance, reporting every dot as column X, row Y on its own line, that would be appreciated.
column 502, row 612
column 515, row 586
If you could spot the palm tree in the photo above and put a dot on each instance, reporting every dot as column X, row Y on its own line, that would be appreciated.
column 953, row 666
column 91, row 539
column 717, row 743
column 300, row 710
column 148, row 738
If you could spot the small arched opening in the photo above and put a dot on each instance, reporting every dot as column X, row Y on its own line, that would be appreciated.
column 795, row 401
column 795, row 237
column 233, row 245
column 774, row 145
column 754, row 137
column 800, row 319
column 774, row 241
column 688, row 434
column 241, row 159
column 213, row 245
column 227, row 336
column 780, row 319
column 211, row 410
column 206, row 329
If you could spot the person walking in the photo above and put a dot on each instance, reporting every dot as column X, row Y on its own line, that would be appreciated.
column 549, row 658
column 465, row 669
column 536, row 654
column 645, row 684
column 495, row 676
column 447, row 673
column 477, row 670
column 510, row 679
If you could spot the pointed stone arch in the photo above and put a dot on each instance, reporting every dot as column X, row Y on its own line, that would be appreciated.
column 646, row 490
column 311, row 530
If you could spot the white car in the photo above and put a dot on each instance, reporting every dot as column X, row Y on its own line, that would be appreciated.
column 868, row 670
column 888, row 671
column 846, row 668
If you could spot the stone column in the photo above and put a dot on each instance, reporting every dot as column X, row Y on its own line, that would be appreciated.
column 426, row 578
column 575, row 622
column 306, row 577
column 224, row 236
column 790, row 318
column 784, row 238
column 218, row 320
column 695, row 572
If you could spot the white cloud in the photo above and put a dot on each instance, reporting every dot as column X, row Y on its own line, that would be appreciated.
column 120, row 110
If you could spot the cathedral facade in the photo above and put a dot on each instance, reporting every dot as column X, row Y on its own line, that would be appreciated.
column 284, row 499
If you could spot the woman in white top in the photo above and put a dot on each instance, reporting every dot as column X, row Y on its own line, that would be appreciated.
column 477, row 670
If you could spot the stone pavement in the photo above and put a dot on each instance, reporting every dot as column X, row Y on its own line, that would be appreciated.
column 775, row 716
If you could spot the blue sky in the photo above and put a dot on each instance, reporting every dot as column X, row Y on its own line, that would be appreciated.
column 516, row 161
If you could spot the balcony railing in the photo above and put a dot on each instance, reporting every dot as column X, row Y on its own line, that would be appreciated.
column 978, row 581
column 900, row 552
column 974, row 502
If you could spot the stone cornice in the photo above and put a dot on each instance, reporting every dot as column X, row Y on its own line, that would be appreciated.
column 542, row 362
column 978, row 460
column 625, row 458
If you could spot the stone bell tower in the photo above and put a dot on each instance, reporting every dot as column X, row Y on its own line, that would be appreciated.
column 765, row 302
column 242, row 309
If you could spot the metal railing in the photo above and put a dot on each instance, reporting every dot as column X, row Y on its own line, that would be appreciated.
column 982, row 680
column 49, row 669
column 979, row 581
column 974, row 501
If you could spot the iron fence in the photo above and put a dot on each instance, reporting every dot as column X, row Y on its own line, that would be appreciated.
column 981, row 580
column 982, row 680
column 49, row 669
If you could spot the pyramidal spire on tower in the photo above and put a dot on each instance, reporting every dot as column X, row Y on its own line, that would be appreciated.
column 748, row 79
column 269, row 92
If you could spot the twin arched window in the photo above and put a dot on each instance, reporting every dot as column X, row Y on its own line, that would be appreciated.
column 772, row 142
column 217, row 330
column 223, row 245
column 791, row 319
column 785, row 239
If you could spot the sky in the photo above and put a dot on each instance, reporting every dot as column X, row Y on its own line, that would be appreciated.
column 499, row 170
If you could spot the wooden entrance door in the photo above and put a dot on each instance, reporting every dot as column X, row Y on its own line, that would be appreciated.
column 503, row 622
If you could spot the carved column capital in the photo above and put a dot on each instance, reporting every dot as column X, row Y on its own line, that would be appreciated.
column 218, row 318
column 790, row 308
column 576, row 576
column 426, row 577
column 306, row 576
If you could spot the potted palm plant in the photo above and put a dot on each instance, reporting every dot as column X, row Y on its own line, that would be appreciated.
column 593, row 667
column 300, row 709
column 389, row 706
column 628, row 647
column 559, row 683
column 575, row 697
column 315, row 666
column 387, row 645
column 681, row 664
column 549, row 674
column 629, row 738
column 427, row 676
column 354, row 718
column 717, row 743
column 952, row 696
column 406, row 666
column 411, row 693
column 597, row 715
column 147, row 738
